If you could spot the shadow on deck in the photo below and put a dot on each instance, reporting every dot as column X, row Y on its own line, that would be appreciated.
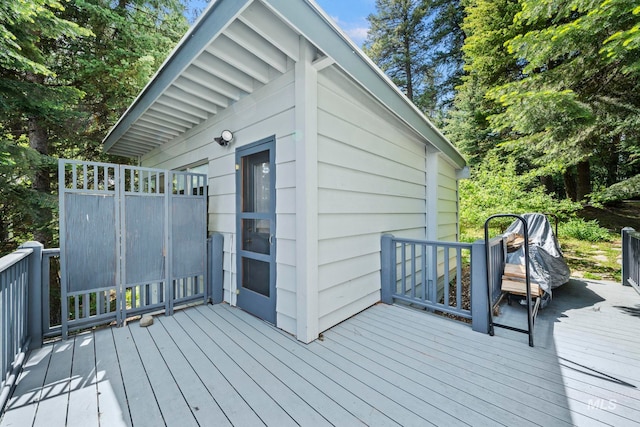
column 389, row 365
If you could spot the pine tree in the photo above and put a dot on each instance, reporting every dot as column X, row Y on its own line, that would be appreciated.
column 444, row 46
column 396, row 42
column 576, row 101
column 24, row 68
column 487, row 25
column 67, row 74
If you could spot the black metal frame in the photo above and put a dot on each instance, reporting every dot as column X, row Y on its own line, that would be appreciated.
column 530, row 310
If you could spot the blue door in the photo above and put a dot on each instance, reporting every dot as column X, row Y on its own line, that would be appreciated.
column 256, row 228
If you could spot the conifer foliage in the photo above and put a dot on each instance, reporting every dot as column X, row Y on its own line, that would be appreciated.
column 67, row 71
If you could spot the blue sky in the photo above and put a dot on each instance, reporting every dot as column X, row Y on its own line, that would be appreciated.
column 351, row 16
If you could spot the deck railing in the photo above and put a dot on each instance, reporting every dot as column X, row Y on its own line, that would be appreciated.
column 437, row 276
column 497, row 260
column 17, row 292
column 51, row 301
column 631, row 258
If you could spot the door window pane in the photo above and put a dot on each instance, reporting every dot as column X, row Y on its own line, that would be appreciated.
column 255, row 236
column 255, row 276
column 256, row 181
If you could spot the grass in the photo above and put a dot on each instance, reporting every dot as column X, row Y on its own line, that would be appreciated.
column 589, row 260
column 593, row 260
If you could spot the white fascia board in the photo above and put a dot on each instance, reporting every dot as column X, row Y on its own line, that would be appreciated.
column 213, row 21
column 309, row 19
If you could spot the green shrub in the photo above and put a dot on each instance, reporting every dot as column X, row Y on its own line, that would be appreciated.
column 580, row 229
column 624, row 190
column 495, row 187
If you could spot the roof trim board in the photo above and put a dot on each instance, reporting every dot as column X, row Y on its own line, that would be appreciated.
column 214, row 20
column 221, row 22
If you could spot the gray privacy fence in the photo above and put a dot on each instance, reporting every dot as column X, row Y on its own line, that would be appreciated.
column 132, row 241
column 437, row 276
column 631, row 258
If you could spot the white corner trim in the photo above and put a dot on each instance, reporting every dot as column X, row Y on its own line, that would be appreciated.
column 306, row 135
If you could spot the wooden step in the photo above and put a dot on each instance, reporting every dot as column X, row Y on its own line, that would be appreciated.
column 519, row 287
column 515, row 270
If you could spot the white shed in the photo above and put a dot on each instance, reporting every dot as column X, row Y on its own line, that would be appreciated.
column 327, row 155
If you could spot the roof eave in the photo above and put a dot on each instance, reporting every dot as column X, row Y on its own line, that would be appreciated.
column 214, row 19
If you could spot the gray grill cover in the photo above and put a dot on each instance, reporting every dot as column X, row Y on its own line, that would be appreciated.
column 547, row 266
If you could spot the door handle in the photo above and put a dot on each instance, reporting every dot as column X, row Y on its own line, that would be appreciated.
column 271, row 239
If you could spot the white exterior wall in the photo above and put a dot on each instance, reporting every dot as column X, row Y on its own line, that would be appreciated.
column 442, row 206
column 447, row 202
column 442, row 199
column 268, row 111
column 372, row 180
column 372, row 176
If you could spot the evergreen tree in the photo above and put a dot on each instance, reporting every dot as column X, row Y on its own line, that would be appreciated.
column 576, row 101
column 487, row 25
column 24, row 97
column 396, row 42
column 71, row 73
column 445, row 39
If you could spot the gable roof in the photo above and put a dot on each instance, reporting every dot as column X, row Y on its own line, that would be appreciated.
column 236, row 47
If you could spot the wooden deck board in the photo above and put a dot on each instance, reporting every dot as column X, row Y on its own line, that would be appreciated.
column 21, row 408
column 261, row 403
column 504, row 353
column 54, row 397
column 523, row 391
column 290, row 402
column 389, row 365
column 83, row 392
column 141, row 400
column 318, row 401
column 112, row 398
column 414, row 366
column 235, row 408
column 294, row 356
column 409, row 379
column 173, row 406
column 200, row 401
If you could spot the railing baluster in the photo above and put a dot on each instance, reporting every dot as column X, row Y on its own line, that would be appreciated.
column 424, row 273
column 631, row 258
column 15, row 276
column 413, row 270
column 433, row 284
column 403, row 270
column 459, row 279
column 445, row 254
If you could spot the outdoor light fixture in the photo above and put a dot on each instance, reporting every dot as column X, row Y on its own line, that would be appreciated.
column 225, row 138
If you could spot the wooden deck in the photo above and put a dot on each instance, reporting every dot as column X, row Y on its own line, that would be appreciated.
column 390, row 365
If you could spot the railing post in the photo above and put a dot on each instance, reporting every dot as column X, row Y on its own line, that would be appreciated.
column 387, row 268
column 34, row 316
column 626, row 255
column 216, row 268
column 479, row 294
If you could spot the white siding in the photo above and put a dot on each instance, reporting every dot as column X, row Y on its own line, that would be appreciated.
column 371, row 178
column 447, row 202
column 442, row 206
column 268, row 111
